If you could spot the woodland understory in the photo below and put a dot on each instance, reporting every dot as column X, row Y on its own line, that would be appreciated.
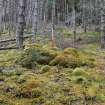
column 52, row 52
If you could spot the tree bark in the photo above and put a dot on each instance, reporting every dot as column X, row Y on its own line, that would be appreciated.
column 53, row 22
column 74, row 23
column 35, row 20
column 20, row 24
column 102, row 25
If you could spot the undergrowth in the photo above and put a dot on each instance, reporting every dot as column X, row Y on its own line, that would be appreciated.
column 46, row 76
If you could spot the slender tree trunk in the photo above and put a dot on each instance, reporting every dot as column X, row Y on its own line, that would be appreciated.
column 102, row 25
column 21, row 24
column 74, row 23
column 1, row 15
column 35, row 20
column 53, row 22
column 84, row 16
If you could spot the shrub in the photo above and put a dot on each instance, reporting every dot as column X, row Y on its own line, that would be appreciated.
column 35, row 54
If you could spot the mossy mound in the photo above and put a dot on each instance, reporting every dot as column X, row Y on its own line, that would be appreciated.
column 36, row 54
column 71, row 57
column 71, row 51
column 79, row 72
column 65, row 60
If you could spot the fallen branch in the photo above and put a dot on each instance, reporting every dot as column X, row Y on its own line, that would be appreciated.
column 9, row 48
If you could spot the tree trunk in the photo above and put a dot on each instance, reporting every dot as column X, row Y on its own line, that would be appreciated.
column 35, row 20
column 102, row 25
column 21, row 24
column 1, row 15
column 84, row 21
column 74, row 23
column 53, row 22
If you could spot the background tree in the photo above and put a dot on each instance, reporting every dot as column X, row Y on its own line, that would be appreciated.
column 20, row 24
column 38, row 16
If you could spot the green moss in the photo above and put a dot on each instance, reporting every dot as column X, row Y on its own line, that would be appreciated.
column 67, row 33
column 29, row 87
column 30, row 93
column 71, row 51
column 67, row 82
column 79, row 72
column 91, row 34
column 7, row 58
column 27, row 76
column 100, row 97
column 71, row 57
column 91, row 91
column 65, row 60
column 12, row 73
column 35, row 54
column 45, row 69
column 79, row 79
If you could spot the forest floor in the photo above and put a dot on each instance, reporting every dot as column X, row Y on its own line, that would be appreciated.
column 41, row 75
